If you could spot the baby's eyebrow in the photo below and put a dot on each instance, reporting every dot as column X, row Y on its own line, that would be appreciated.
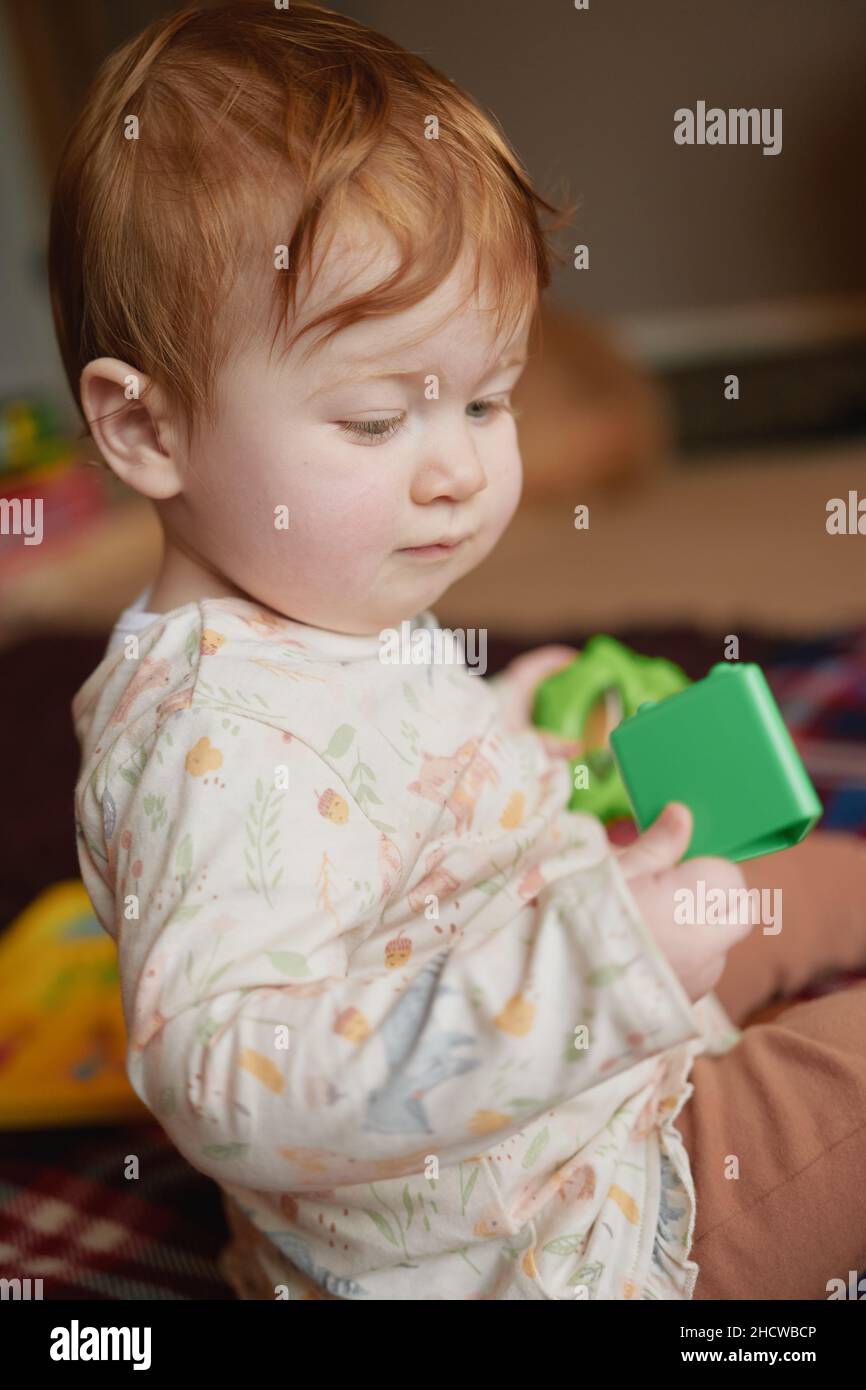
column 393, row 373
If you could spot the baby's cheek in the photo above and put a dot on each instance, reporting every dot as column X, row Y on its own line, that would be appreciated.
column 509, row 485
column 353, row 540
column 337, row 541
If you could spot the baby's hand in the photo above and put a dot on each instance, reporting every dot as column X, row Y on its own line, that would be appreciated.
column 696, row 951
column 521, row 677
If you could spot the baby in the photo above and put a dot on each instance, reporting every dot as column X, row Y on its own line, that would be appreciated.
column 428, row 1033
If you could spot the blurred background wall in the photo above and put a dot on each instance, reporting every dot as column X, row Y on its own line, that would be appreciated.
column 680, row 238
column 703, row 261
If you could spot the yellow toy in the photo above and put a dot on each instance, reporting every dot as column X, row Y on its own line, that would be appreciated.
column 62, row 1035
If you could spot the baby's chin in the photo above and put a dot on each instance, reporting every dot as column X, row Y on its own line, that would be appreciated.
column 403, row 587
column 423, row 586
column 400, row 604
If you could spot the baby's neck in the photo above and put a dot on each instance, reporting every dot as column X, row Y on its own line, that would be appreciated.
column 183, row 579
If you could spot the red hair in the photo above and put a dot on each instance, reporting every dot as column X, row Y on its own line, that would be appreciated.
column 255, row 124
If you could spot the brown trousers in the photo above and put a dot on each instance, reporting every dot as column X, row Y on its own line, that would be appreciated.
column 789, row 1100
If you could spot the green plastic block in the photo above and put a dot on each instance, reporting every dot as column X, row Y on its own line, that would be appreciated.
column 722, row 747
column 588, row 698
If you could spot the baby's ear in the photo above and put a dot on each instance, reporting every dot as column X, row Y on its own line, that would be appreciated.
column 132, row 427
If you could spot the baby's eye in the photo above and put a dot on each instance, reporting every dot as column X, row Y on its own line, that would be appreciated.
column 371, row 431
column 492, row 406
column 378, row 431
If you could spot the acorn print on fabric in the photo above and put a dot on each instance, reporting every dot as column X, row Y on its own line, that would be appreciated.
column 203, row 758
column 333, row 807
column 397, row 952
column 211, row 641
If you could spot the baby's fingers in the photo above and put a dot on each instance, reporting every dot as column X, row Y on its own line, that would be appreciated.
column 716, row 895
column 661, row 846
column 559, row 747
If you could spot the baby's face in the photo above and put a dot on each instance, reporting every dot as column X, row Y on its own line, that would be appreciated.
column 367, row 468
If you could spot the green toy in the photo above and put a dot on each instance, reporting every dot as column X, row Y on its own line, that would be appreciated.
column 586, row 700
column 722, row 748
column 650, row 736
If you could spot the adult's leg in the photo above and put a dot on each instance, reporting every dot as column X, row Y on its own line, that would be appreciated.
column 823, row 900
column 788, row 1103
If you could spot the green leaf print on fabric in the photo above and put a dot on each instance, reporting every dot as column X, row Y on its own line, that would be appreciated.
column 515, row 1251
column 463, row 1255
column 237, row 702
column 167, row 1101
column 393, row 1229
column 466, row 1187
column 588, row 1274
column 623, row 1116
column 565, row 1245
column 183, row 861
column 290, row 963
column 536, row 1148
column 134, row 766
column 168, row 739
column 535, row 1104
column 491, row 885
column 383, row 1225
column 183, row 914
column 208, row 976
column 341, row 740
column 264, row 850
column 578, row 1054
column 192, row 645
column 411, row 734
column 154, row 809
column 361, row 778
column 215, row 974
column 224, row 1151
column 609, row 974
column 94, row 848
